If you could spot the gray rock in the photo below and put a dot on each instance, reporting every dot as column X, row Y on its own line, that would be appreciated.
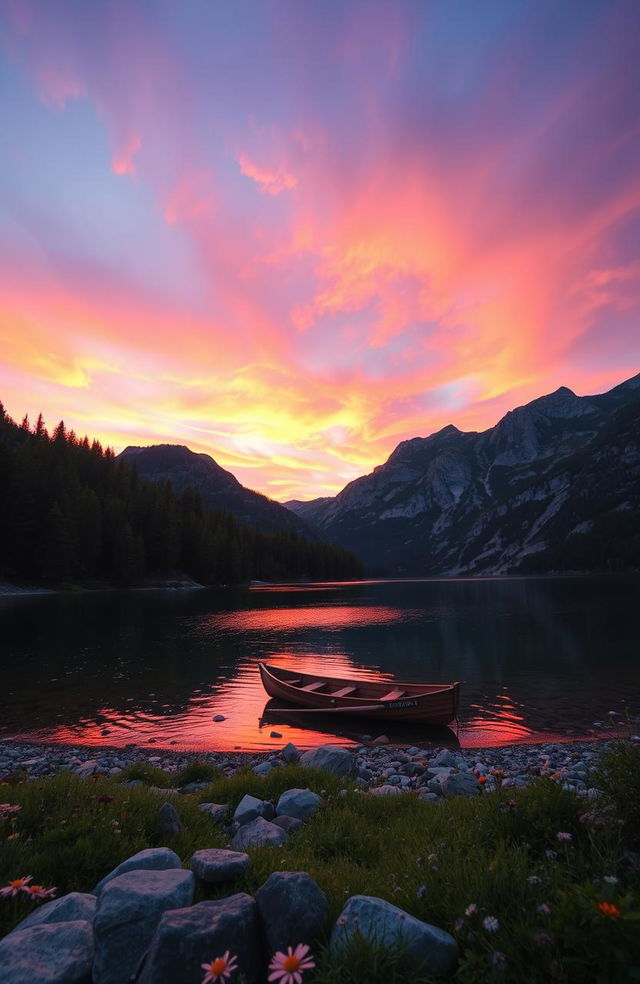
column 52, row 953
column 289, row 824
column 299, row 803
column 258, row 832
column 251, row 807
column 454, row 784
column 385, row 790
column 445, row 757
column 187, row 938
column 290, row 753
column 293, row 909
column 263, row 768
column 169, row 821
column 213, row 866
column 332, row 758
column 217, row 811
column 151, row 859
column 129, row 910
column 68, row 908
column 218, row 717
column 86, row 769
column 426, row 947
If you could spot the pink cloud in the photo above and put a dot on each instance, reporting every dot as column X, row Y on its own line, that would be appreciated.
column 270, row 181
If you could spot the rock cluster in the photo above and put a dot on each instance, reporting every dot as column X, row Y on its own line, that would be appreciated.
column 141, row 925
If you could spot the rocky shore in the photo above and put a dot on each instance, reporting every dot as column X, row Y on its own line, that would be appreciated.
column 141, row 921
column 382, row 768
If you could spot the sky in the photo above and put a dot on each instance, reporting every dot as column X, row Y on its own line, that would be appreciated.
column 292, row 233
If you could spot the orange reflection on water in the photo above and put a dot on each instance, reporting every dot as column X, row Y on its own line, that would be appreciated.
column 322, row 617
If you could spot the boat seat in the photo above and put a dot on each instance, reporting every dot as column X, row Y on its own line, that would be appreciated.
column 314, row 686
column 344, row 692
column 294, row 682
column 393, row 695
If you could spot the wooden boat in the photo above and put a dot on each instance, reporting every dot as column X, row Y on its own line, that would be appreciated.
column 421, row 703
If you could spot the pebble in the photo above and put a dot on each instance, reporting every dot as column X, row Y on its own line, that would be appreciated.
column 376, row 765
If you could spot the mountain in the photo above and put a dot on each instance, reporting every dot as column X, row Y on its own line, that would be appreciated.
column 553, row 486
column 218, row 489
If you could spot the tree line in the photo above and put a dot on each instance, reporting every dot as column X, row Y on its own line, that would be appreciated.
column 71, row 512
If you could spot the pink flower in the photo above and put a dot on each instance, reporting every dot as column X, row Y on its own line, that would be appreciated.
column 562, row 835
column 491, row 924
column 471, row 910
column 38, row 892
column 16, row 885
column 220, row 969
column 287, row 968
column 544, row 909
column 8, row 809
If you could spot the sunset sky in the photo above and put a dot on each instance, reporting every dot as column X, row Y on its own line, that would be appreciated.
column 291, row 233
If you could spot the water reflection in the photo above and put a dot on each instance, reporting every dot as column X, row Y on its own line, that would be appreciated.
column 538, row 657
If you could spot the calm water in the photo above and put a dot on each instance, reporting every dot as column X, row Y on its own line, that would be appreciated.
column 538, row 657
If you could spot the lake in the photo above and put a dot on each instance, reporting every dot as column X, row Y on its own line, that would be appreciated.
column 538, row 657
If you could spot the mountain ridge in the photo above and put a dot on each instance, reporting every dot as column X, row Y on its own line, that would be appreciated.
column 485, row 502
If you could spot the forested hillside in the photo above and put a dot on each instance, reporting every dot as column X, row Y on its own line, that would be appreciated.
column 70, row 512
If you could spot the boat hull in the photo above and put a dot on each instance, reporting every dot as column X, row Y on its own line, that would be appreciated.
column 439, row 707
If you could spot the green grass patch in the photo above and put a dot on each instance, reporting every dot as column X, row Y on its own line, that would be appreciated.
column 566, row 909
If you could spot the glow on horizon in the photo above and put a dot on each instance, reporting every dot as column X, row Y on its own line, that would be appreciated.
column 292, row 235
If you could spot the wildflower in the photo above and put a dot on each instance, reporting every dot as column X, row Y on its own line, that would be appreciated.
column 491, row 924
column 608, row 909
column 220, row 969
column 471, row 910
column 544, row 909
column 458, row 924
column 482, row 780
column 533, row 880
column 610, row 879
column 16, row 885
column 38, row 892
column 432, row 858
column 551, row 855
column 287, row 968
column 422, row 891
column 13, row 837
column 562, row 835
column 498, row 960
column 543, row 939
column 8, row 809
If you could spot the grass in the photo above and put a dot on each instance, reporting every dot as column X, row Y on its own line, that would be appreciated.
column 499, row 851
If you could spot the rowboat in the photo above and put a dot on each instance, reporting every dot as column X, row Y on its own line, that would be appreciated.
column 421, row 703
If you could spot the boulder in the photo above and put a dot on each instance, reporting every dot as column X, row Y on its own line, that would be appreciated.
column 217, row 811
column 213, row 866
column 187, row 938
column 293, row 909
column 258, row 832
column 68, row 908
column 287, row 823
column 51, row 953
column 426, row 948
column 454, row 784
column 445, row 757
column 151, row 859
column 169, row 821
column 263, row 768
column 251, row 807
column 331, row 758
column 290, row 753
column 299, row 803
column 129, row 910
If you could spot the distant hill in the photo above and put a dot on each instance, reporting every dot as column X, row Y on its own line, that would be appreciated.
column 218, row 489
column 554, row 486
column 71, row 513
